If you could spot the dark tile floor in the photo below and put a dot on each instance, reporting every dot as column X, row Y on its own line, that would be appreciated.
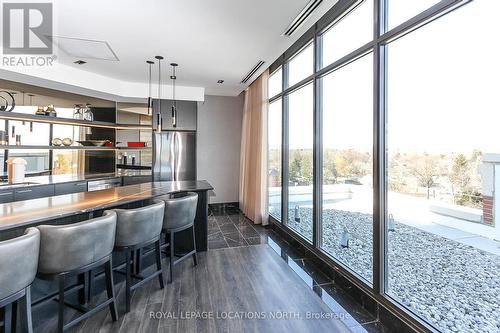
column 227, row 228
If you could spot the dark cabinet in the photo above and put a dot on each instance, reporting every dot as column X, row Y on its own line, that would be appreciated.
column 186, row 115
column 33, row 192
column 6, row 196
column 132, row 180
column 68, row 188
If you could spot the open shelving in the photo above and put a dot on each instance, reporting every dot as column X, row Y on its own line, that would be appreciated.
column 3, row 147
column 69, row 121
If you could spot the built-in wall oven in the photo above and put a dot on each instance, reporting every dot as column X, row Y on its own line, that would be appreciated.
column 103, row 184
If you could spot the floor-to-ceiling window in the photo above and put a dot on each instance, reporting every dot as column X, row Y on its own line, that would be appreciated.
column 274, row 159
column 300, row 161
column 347, row 34
column 347, row 191
column 390, row 151
column 301, row 65
column 443, row 145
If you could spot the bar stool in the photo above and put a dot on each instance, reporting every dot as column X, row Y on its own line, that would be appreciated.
column 180, row 212
column 136, row 229
column 74, row 249
column 18, row 265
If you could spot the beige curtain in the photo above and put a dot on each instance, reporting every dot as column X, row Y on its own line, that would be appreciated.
column 253, row 164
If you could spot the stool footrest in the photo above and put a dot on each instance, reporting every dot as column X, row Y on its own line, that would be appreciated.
column 184, row 256
column 145, row 279
column 51, row 296
column 88, row 314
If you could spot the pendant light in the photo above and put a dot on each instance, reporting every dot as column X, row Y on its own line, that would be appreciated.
column 174, row 102
column 31, row 104
column 159, row 120
column 150, row 99
column 24, row 104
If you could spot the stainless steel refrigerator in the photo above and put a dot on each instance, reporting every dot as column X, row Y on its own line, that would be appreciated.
column 174, row 155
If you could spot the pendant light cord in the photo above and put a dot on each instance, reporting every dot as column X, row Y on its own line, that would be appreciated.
column 173, row 93
column 159, row 85
column 159, row 58
column 150, row 65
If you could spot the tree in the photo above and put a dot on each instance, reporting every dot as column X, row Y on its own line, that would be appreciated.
column 301, row 166
column 349, row 163
column 460, row 174
column 294, row 166
column 426, row 171
column 330, row 173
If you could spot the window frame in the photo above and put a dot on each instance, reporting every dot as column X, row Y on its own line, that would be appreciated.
column 382, row 36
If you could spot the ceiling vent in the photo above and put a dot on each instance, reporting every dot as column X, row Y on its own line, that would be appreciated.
column 302, row 17
column 85, row 48
column 252, row 71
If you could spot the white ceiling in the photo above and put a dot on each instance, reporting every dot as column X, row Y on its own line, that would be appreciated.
column 210, row 39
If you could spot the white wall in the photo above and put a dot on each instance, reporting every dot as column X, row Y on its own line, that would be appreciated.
column 218, row 145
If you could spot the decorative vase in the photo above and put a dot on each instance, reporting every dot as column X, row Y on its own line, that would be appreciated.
column 67, row 141
column 56, row 142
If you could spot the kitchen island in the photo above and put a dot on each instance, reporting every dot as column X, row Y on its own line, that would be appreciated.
column 71, row 208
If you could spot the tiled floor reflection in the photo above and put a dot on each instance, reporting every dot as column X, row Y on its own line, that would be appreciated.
column 229, row 228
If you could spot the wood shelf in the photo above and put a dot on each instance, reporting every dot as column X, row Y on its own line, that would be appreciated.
column 67, row 121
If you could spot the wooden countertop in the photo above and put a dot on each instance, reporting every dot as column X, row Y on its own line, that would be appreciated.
column 31, row 212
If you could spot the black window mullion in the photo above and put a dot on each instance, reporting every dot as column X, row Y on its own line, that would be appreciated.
column 284, row 149
column 379, row 149
column 317, row 147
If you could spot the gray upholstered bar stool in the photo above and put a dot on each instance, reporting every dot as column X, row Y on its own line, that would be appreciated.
column 18, row 265
column 73, row 249
column 136, row 229
column 180, row 211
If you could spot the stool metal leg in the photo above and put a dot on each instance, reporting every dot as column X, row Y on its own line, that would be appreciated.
column 128, row 280
column 27, row 305
column 172, row 250
column 83, row 293
column 60, row 321
column 137, row 261
column 158, row 263
column 90, row 286
column 110, row 289
column 15, row 315
column 195, row 260
column 7, row 322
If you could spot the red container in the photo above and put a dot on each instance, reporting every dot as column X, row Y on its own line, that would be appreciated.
column 136, row 144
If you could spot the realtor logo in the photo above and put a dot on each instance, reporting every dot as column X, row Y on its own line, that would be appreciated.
column 27, row 28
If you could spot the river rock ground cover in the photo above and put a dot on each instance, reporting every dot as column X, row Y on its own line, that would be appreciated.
column 454, row 286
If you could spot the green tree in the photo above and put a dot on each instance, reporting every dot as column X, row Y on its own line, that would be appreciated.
column 330, row 173
column 460, row 173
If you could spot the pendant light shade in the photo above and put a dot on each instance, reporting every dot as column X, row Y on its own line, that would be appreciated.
column 159, row 119
column 150, row 99
column 174, row 102
column 31, row 104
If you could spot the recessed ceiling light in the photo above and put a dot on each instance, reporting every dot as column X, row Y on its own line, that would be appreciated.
column 220, row 81
column 80, row 62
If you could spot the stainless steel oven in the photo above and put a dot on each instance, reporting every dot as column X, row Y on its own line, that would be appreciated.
column 103, row 184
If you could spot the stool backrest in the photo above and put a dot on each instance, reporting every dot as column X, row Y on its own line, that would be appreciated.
column 136, row 226
column 180, row 211
column 18, row 262
column 69, row 247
